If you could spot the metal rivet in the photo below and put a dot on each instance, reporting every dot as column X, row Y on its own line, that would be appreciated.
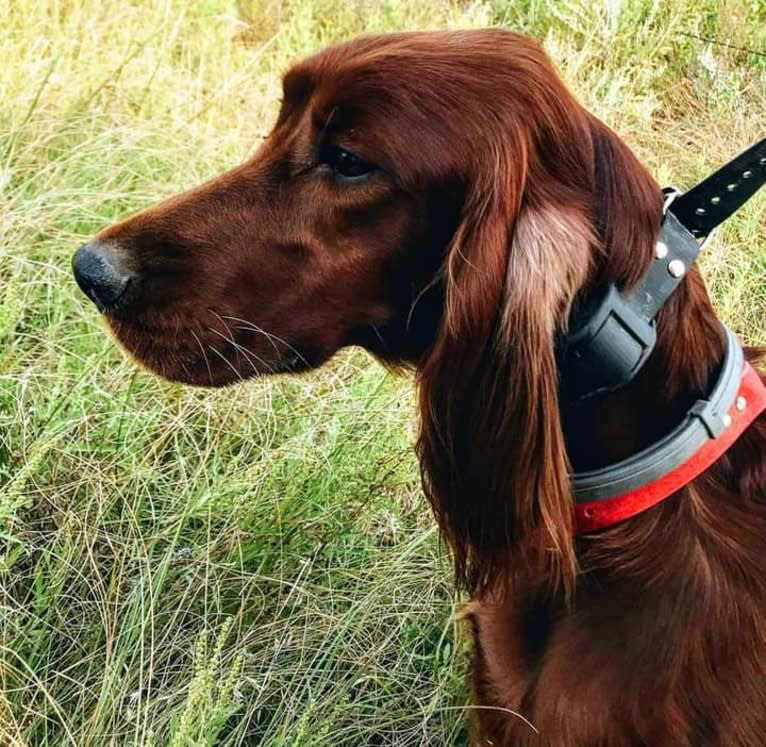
column 741, row 404
column 715, row 200
column 731, row 187
column 676, row 268
column 747, row 174
column 661, row 250
column 726, row 420
column 700, row 211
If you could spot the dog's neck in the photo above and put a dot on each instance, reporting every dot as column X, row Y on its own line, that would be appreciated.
column 689, row 352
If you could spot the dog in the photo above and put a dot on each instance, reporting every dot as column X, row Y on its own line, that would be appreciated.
column 441, row 200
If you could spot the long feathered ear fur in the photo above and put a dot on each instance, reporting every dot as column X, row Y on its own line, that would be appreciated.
column 491, row 444
column 554, row 202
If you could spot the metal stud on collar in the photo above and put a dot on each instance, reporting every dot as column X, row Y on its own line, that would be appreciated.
column 613, row 334
column 676, row 268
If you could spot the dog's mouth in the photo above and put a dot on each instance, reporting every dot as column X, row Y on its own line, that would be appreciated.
column 213, row 355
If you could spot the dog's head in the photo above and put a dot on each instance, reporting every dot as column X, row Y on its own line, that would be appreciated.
column 438, row 198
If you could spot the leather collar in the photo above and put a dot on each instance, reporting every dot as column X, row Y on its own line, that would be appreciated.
column 612, row 337
column 619, row 491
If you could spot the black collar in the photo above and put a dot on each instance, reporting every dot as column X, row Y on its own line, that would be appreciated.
column 611, row 338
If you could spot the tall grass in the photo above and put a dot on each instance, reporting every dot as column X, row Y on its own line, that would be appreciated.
column 256, row 566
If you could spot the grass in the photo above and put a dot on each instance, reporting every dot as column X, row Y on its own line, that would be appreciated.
column 256, row 566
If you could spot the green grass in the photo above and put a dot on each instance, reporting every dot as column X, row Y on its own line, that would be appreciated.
column 257, row 566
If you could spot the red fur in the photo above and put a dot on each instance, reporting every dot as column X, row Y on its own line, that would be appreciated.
column 498, row 205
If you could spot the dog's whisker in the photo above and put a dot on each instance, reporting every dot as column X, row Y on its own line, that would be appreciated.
column 379, row 336
column 248, row 354
column 423, row 291
column 204, row 355
column 270, row 337
column 241, row 348
column 226, row 361
column 253, row 327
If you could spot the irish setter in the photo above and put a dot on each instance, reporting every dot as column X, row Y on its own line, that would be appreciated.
column 442, row 200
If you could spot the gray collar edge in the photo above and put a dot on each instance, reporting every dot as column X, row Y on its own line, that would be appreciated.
column 706, row 419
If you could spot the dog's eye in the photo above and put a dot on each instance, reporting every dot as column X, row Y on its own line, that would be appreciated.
column 344, row 164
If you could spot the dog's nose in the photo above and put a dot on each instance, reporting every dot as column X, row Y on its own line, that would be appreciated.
column 97, row 271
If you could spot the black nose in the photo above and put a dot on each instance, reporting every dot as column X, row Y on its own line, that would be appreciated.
column 97, row 271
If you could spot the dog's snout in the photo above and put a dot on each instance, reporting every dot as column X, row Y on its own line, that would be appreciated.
column 98, row 272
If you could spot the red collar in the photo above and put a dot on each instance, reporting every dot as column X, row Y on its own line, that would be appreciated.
column 739, row 411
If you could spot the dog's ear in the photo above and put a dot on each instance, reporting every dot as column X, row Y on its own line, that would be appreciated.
column 491, row 444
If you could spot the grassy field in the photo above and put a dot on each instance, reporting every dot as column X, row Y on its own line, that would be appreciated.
column 256, row 566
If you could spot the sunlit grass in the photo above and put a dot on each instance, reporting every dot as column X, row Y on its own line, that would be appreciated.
column 256, row 565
